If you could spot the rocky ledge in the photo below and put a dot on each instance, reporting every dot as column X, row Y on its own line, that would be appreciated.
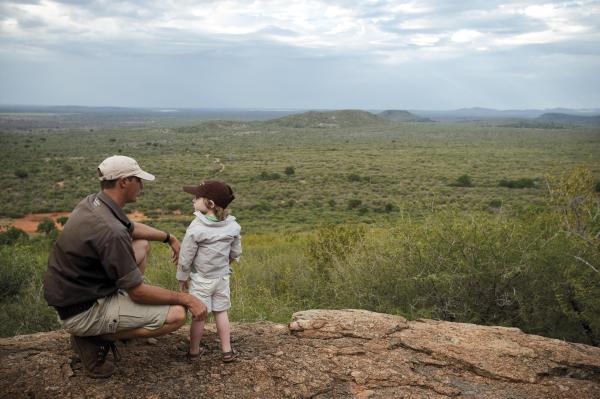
column 320, row 354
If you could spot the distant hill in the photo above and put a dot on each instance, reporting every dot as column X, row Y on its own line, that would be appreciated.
column 402, row 116
column 566, row 119
column 329, row 119
column 477, row 113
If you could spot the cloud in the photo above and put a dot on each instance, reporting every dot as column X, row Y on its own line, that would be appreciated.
column 370, row 26
column 362, row 38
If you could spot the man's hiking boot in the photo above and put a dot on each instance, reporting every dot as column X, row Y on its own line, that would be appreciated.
column 93, row 351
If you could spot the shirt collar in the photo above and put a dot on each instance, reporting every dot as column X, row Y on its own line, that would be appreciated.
column 115, row 209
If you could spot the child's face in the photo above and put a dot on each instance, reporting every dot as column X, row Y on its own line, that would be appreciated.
column 200, row 204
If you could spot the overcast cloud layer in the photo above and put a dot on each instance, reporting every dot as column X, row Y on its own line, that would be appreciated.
column 301, row 54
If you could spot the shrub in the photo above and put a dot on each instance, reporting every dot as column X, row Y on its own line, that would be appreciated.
column 354, row 203
column 46, row 226
column 15, row 271
column 597, row 187
column 333, row 243
column 12, row 235
column 463, row 181
column 289, row 171
column 354, row 177
column 26, row 318
column 268, row 176
column 389, row 207
column 520, row 183
column 62, row 220
column 21, row 174
column 495, row 203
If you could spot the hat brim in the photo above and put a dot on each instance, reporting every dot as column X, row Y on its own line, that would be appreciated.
column 194, row 190
column 145, row 176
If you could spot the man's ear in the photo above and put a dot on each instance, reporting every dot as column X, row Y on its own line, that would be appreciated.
column 122, row 182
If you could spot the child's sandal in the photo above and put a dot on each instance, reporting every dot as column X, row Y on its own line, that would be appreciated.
column 190, row 357
column 229, row 356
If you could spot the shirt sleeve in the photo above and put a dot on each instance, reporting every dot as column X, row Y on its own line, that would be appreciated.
column 236, row 247
column 187, row 253
column 118, row 260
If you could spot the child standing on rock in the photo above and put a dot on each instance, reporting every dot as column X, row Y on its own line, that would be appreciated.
column 211, row 243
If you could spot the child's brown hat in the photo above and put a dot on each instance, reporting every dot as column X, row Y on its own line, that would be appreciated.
column 216, row 191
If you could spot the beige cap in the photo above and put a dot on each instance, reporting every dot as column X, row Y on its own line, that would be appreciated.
column 119, row 166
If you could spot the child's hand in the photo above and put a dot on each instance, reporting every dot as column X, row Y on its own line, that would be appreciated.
column 183, row 286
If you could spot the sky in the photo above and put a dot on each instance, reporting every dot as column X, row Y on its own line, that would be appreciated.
column 372, row 55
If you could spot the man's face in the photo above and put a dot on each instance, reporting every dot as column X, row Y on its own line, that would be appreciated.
column 133, row 188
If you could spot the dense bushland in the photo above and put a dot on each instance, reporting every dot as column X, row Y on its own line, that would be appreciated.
column 410, row 166
column 538, row 272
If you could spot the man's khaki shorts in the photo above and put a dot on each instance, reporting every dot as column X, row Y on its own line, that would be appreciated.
column 116, row 313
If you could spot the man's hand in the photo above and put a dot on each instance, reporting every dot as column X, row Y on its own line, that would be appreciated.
column 197, row 308
column 175, row 246
column 152, row 295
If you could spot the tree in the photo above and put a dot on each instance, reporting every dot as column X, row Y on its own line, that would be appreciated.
column 46, row 226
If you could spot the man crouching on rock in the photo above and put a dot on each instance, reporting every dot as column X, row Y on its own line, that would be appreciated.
column 95, row 272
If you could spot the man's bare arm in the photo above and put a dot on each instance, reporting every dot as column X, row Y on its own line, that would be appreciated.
column 144, row 232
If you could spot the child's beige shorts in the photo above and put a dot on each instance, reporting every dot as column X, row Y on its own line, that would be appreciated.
column 213, row 292
column 116, row 313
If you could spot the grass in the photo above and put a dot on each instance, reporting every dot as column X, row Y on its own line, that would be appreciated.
column 371, row 216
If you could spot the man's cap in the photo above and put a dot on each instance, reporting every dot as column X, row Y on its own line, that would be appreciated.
column 119, row 166
column 216, row 191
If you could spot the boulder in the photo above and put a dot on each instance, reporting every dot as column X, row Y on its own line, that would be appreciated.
column 320, row 354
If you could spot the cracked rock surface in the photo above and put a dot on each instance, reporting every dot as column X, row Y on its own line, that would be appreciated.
column 320, row 354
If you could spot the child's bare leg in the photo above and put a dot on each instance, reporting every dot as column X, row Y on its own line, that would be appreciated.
column 196, row 331
column 222, row 322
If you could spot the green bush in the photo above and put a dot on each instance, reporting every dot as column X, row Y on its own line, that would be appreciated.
column 354, row 203
column 46, row 226
column 334, row 243
column 62, row 220
column 519, row 183
column 495, row 203
column 12, row 235
column 21, row 174
column 463, row 181
column 354, row 177
column 268, row 176
column 389, row 207
column 14, row 274
column 289, row 171
column 26, row 318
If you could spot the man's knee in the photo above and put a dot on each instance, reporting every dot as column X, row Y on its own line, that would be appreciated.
column 176, row 315
column 141, row 248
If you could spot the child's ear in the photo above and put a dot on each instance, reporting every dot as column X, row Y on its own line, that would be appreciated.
column 211, row 204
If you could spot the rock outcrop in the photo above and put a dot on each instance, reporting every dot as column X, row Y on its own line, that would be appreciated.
column 321, row 354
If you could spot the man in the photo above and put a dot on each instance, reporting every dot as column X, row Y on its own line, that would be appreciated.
column 95, row 272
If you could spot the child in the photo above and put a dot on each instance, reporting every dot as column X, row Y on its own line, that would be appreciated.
column 211, row 243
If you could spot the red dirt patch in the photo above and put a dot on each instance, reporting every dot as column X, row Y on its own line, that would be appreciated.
column 30, row 222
